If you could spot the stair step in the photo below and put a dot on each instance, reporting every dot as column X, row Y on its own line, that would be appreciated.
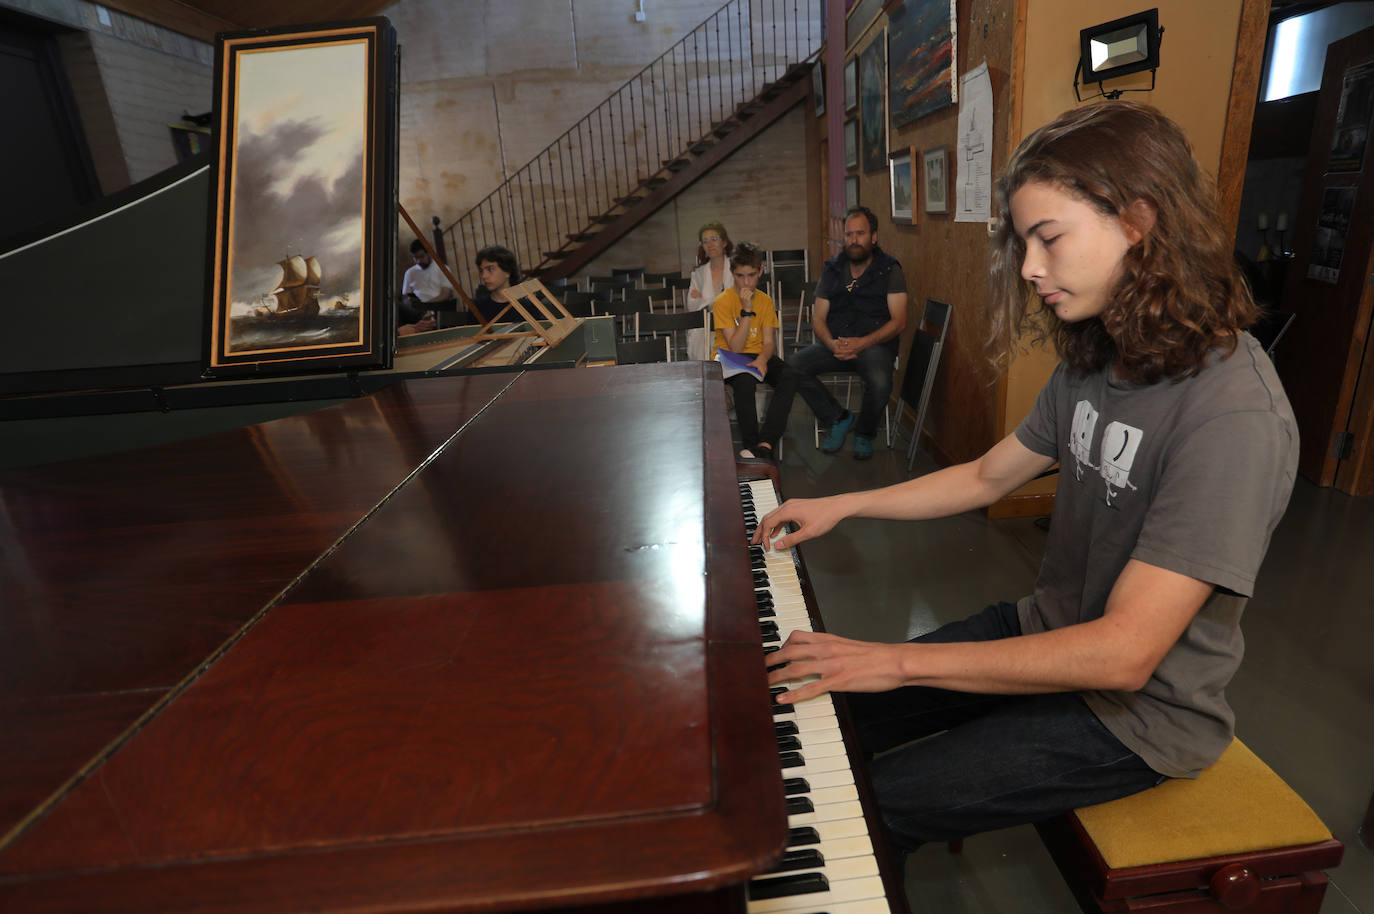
column 655, row 181
column 630, row 200
column 701, row 145
column 580, row 237
column 725, row 127
column 557, row 255
column 605, row 220
column 795, row 72
column 677, row 164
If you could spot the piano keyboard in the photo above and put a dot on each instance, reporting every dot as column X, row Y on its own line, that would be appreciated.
column 829, row 866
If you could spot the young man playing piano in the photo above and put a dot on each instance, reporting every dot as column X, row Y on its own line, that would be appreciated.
column 1177, row 453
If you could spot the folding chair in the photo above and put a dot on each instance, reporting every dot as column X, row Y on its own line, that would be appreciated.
column 638, row 352
column 921, row 363
column 674, row 325
column 659, row 297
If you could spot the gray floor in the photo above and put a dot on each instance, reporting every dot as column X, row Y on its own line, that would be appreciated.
column 1304, row 696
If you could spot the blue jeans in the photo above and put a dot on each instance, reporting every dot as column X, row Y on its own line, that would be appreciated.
column 873, row 366
column 982, row 762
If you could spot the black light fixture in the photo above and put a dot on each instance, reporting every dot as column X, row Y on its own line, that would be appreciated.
column 1126, row 45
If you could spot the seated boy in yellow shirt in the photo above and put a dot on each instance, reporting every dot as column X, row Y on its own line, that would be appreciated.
column 745, row 321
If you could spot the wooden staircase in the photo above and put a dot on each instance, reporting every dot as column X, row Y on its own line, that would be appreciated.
column 677, row 174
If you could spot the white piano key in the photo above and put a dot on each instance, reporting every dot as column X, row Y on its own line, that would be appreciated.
column 866, row 906
column 831, row 812
column 859, row 889
column 845, row 793
column 840, row 848
column 819, row 780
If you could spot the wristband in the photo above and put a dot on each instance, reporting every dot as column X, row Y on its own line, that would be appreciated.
column 746, row 314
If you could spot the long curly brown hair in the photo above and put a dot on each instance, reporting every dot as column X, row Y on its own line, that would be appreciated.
column 1180, row 294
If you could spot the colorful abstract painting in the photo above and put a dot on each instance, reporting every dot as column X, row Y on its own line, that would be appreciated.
column 873, row 105
column 921, row 45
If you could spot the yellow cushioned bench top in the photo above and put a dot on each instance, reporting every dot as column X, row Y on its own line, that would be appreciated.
column 1236, row 806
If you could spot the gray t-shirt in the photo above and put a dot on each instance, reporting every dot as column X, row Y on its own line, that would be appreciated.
column 1191, row 476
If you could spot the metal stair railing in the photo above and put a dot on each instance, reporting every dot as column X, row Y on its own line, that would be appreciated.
column 644, row 129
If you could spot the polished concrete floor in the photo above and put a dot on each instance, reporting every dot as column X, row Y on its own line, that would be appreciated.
column 1304, row 696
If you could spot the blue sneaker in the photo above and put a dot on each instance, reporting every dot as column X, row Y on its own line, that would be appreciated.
column 834, row 439
column 863, row 448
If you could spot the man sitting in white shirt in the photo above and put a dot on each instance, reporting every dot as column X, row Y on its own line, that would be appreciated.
column 424, row 290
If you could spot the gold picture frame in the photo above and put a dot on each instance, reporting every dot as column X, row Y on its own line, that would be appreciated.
column 303, row 214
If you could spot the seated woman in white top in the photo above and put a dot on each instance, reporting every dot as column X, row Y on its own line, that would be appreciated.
column 709, row 279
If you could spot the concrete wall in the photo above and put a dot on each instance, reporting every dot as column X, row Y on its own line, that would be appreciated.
column 131, row 80
column 759, row 194
column 488, row 85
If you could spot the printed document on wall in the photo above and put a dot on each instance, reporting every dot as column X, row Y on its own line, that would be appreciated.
column 974, row 168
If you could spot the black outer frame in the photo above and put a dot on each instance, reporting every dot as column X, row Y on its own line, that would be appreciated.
column 378, row 344
column 1151, row 62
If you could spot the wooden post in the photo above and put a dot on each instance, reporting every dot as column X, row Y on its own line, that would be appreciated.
column 438, row 234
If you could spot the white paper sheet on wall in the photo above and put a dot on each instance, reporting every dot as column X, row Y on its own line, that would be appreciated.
column 973, row 169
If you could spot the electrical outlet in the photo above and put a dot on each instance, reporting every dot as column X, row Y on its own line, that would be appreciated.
column 639, row 16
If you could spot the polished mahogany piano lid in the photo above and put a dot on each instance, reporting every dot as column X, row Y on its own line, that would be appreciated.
column 526, row 674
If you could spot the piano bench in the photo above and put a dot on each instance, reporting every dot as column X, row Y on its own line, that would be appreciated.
column 1237, row 838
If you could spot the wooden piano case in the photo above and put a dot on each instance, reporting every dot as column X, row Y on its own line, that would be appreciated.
column 472, row 643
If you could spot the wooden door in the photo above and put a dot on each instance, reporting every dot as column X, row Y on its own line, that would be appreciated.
column 1324, row 353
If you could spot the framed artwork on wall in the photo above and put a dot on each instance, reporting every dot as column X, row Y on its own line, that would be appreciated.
column 851, row 192
column 899, row 171
column 303, row 214
column 818, row 86
column 851, row 84
column 921, row 53
column 851, row 143
column 935, row 179
column 873, row 103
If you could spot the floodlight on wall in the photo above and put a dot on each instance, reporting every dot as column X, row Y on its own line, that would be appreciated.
column 1126, row 45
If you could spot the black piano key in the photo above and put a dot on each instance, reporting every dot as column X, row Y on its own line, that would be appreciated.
column 791, row 759
column 780, row 886
column 789, row 744
column 772, row 638
column 798, row 805
column 770, row 648
column 792, row 787
column 800, row 837
column 785, row 728
column 807, row 858
column 767, row 613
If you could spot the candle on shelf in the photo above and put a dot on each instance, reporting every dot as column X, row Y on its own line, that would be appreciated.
column 1263, row 220
column 1281, row 223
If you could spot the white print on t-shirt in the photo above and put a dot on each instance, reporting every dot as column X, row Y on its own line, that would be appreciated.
column 1081, row 440
column 1120, row 442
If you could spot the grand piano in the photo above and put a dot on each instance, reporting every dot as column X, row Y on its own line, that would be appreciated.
column 476, row 643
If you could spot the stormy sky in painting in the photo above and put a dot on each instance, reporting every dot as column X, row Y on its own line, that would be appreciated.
column 298, row 177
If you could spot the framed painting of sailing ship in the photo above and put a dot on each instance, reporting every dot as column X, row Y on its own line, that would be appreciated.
column 303, row 214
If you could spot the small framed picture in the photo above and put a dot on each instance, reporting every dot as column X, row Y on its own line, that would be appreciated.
column 935, row 176
column 818, row 86
column 899, row 169
column 851, row 143
column 851, row 84
column 851, row 192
